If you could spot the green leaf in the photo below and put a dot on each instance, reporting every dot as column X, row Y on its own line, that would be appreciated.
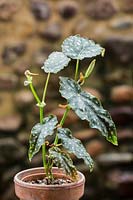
column 73, row 145
column 77, row 47
column 39, row 133
column 62, row 160
column 90, row 68
column 55, row 62
column 88, row 107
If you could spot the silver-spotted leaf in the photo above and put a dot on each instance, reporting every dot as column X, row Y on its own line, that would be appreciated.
column 55, row 62
column 39, row 133
column 88, row 107
column 74, row 145
column 62, row 159
column 77, row 47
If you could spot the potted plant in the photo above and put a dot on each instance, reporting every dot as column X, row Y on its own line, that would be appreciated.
column 58, row 178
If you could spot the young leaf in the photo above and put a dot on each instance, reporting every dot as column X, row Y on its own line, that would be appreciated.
column 62, row 160
column 77, row 47
column 88, row 107
column 73, row 145
column 39, row 132
column 90, row 68
column 55, row 62
column 103, row 52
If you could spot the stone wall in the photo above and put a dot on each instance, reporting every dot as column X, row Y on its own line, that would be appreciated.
column 29, row 31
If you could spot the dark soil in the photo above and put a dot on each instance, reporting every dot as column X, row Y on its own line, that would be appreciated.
column 46, row 181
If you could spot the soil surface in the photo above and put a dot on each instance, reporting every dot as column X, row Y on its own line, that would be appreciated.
column 46, row 181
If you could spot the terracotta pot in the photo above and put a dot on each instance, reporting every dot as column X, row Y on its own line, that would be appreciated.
column 27, row 191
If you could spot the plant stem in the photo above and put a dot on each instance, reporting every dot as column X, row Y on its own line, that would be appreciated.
column 35, row 94
column 77, row 68
column 38, row 101
column 62, row 122
column 56, row 139
column 41, row 114
column 41, row 120
column 45, row 88
column 43, row 146
column 44, row 158
column 64, row 116
column 41, row 109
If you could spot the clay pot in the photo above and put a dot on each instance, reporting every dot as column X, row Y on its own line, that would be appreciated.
column 27, row 191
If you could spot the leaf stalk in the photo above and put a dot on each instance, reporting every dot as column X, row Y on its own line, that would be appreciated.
column 77, row 68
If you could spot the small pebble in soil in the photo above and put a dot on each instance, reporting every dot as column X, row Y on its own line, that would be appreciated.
column 46, row 181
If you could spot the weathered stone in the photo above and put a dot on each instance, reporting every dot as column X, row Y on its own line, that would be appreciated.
column 41, row 55
column 122, row 24
column 101, row 9
column 21, row 68
column 8, row 81
column 90, row 192
column 11, row 53
column 10, row 173
column 128, row 6
column 6, row 103
column 94, row 92
column 125, row 133
column 121, row 182
column 40, row 9
column 95, row 147
column 68, row 9
column 120, row 49
column 118, row 76
column 8, row 9
column 126, row 145
column 110, row 159
column 10, row 151
column 9, row 193
column 81, row 26
column 122, row 93
column 10, row 123
column 23, row 98
column 122, row 115
column 52, row 32
column 23, row 137
column 86, row 134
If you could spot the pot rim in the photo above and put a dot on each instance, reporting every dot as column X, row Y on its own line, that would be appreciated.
column 18, row 180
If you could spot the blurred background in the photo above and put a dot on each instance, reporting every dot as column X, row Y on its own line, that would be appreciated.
column 29, row 31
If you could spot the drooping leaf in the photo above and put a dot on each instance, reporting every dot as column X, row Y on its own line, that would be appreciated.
column 88, row 107
column 39, row 132
column 62, row 160
column 55, row 62
column 77, row 47
column 74, row 145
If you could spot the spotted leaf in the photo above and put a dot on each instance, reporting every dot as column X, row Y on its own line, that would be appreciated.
column 77, row 47
column 88, row 107
column 62, row 159
column 73, row 145
column 39, row 133
column 55, row 62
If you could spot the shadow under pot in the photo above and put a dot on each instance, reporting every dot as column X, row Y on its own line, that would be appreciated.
column 25, row 190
